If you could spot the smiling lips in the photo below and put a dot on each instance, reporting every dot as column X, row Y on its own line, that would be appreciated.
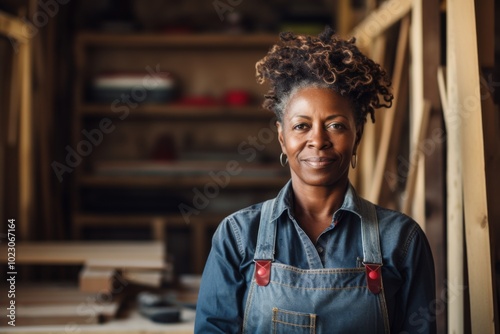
column 319, row 162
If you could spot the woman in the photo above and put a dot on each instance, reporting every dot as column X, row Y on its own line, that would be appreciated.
column 318, row 258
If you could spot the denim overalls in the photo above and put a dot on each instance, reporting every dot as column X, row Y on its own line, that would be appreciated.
column 286, row 299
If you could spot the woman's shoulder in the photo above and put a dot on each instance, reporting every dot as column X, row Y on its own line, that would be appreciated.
column 239, row 229
column 242, row 222
column 246, row 216
column 394, row 222
column 399, row 233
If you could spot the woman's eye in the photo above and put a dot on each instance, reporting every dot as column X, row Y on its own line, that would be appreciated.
column 337, row 126
column 301, row 126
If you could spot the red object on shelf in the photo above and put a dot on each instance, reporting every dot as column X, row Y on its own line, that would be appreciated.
column 237, row 98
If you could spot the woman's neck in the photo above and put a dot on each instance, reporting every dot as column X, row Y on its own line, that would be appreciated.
column 318, row 202
column 314, row 206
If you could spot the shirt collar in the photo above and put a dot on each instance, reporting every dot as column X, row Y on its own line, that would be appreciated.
column 284, row 201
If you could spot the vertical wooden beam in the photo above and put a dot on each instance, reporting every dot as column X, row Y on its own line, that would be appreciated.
column 378, row 21
column 454, row 213
column 416, row 108
column 343, row 17
column 5, row 61
column 14, row 102
column 415, row 160
column 367, row 151
column 464, row 98
column 485, row 10
column 390, row 119
column 78, row 99
column 25, row 144
column 433, row 148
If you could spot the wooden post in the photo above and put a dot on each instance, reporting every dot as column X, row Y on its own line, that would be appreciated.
column 415, row 159
column 367, row 151
column 416, row 110
column 435, row 176
column 14, row 28
column 390, row 118
column 465, row 106
column 454, row 204
column 14, row 102
column 25, row 144
column 343, row 15
column 485, row 10
column 378, row 21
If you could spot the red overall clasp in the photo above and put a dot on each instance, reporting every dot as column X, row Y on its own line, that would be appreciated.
column 262, row 272
column 373, row 277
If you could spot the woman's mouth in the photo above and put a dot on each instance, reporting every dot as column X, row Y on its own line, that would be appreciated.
column 319, row 162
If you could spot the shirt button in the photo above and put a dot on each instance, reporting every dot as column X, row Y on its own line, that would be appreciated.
column 319, row 249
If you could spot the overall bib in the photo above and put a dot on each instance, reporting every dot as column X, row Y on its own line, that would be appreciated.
column 286, row 299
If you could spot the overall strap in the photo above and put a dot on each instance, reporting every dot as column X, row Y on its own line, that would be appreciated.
column 370, row 233
column 372, row 255
column 266, row 239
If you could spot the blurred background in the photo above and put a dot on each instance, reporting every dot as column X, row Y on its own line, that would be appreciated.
column 130, row 129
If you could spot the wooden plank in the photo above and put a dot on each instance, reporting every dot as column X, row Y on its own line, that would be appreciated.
column 36, row 294
column 416, row 109
column 64, row 314
column 158, row 228
column 157, row 264
column 13, row 27
column 362, row 176
column 81, row 252
column 391, row 120
column 485, row 11
column 43, row 315
column 25, row 145
column 133, row 324
column 97, row 280
column 14, row 101
column 411, row 182
column 378, row 21
column 344, row 17
column 454, row 217
column 465, row 104
column 147, row 278
column 435, row 152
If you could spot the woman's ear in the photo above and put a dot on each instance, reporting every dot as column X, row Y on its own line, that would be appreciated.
column 281, row 138
column 359, row 134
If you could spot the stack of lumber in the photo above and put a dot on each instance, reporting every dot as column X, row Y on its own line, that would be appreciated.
column 41, row 305
column 107, row 269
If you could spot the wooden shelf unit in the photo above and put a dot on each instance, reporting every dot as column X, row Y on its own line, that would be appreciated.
column 205, row 64
column 179, row 111
column 177, row 40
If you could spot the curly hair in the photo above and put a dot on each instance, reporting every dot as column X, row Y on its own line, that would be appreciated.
column 326, row 61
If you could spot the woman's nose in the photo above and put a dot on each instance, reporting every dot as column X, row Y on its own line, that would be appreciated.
column 319, row 138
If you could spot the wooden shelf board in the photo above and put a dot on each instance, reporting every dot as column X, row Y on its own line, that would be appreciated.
column 177, row 111
column 178, row 40
column 78, row 253
column 167, row 219
column 179, row 181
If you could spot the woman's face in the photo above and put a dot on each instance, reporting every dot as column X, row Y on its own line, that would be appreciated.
column 318, row 134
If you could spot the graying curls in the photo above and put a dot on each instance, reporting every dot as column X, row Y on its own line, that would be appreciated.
column 324, row 61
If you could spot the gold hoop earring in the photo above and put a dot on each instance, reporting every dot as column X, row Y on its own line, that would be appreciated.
column 283, row 163
column 354, row 161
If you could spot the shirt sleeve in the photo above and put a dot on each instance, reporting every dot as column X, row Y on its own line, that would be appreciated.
column 417, row 295
column 218, row 309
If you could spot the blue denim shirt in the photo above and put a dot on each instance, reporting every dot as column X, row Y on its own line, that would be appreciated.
column 407, row 272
